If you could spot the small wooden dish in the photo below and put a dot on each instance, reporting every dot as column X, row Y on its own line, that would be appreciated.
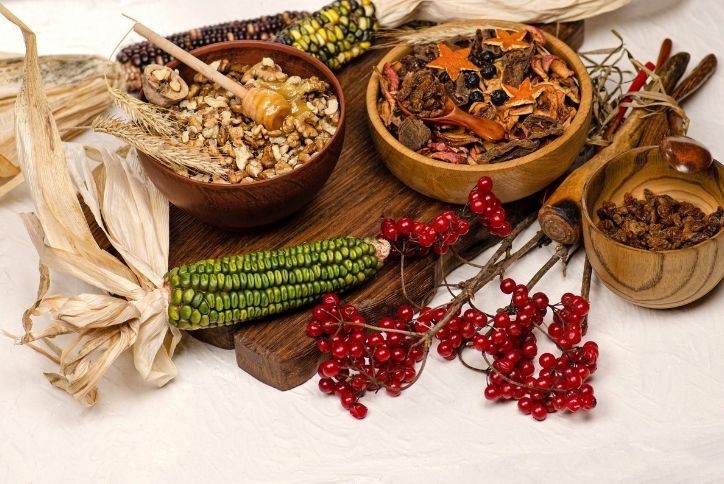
column 663, row 279
column 265, row 201
column 513, row 179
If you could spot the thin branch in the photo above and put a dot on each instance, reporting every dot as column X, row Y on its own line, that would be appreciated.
column 586, row 290
column 560, row 253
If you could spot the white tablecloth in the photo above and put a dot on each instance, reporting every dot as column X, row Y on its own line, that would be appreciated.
column 660, row 383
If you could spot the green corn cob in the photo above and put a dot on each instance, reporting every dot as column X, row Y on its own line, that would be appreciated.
column 220, row 292
column 336, row 33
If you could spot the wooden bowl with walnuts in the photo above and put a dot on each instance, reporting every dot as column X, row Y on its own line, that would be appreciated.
column 530, row 88
column 259, row 189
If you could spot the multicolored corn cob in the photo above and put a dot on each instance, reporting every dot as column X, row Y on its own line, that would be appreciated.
column 230, row 290
column 335, row 34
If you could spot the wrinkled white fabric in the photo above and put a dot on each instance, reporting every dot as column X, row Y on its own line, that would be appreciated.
column 393, row 13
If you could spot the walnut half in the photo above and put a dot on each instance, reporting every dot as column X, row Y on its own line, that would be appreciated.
column 163, row 86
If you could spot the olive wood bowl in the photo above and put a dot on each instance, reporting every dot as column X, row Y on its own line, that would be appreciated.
column 513, row 179
column 244, row 206
column 653, row 279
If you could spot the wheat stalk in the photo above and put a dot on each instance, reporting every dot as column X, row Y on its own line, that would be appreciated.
column 176, row 157
column 153, row 119
column 435, row 34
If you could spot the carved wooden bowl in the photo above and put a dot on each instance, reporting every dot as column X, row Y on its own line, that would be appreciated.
column 663, row 279
column 265, row 201
column 513, row 179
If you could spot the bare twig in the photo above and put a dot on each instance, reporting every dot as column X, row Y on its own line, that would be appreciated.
column 586, row 290
column 561, row 253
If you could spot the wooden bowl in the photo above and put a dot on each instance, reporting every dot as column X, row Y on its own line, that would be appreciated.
column 265, row 201
column 513, row 179
column 664, row 279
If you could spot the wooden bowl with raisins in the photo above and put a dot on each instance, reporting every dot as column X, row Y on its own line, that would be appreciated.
column 529, row 82
column 653, row 234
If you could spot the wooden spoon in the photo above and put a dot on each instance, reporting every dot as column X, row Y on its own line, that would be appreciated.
column 485, row 128
column 264, row 106
column 685, row 154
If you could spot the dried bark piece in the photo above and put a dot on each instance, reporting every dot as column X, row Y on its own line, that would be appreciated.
column 515, row 66
column 485, row 110
column 413, row 133
column 423, row 94
column 537, row 127
column 508, row 151
column 479, row 47
column 458, row 91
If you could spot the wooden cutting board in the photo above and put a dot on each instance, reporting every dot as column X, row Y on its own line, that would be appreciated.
column 360, row 192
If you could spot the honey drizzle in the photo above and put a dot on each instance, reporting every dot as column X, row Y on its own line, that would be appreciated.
column 293, row 93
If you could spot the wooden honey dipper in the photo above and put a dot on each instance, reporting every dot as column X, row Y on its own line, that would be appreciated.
column 264, row 106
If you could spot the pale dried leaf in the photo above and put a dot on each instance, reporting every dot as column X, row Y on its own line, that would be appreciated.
column 101, row 326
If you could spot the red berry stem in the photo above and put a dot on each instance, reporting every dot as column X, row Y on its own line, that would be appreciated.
column 411, row 238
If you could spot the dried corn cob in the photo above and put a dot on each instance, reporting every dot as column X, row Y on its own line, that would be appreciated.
column 135, row 57
column 335, row 34
column 230, row 290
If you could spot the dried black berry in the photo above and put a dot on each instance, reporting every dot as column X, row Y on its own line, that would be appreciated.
column 443, row 77
column 471, row 79
column 488, row 71
column 477, row 59
column 487, row 56
column 475, row 97
column 498, row 97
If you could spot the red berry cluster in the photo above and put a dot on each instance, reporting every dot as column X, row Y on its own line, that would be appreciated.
column 362, row 357
column 487, row 207
column 455, row 333
column 358, row 361
column 560, row 382
column 566, row 329
column 417, row 238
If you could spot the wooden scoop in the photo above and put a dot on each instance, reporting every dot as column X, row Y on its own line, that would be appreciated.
column 264, row 106
column 560, row 215
column 485, row 128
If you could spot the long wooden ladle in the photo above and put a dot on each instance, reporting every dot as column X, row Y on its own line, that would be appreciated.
column 485, row 128
column 264, row 106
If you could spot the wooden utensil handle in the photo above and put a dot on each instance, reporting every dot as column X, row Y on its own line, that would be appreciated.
column 184, row 57
column 264, row 106
column 560, row 216
column 485, row 128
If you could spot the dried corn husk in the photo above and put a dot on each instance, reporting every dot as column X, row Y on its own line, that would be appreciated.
column 130, row 311
column 393, row 13
column 76, row 87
